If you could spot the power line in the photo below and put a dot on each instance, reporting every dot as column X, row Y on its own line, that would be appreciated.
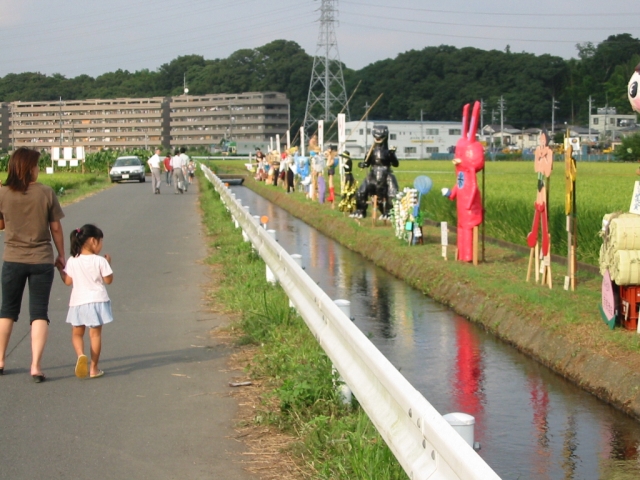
column 496, row 14
column 430, row 22
column 472, row 37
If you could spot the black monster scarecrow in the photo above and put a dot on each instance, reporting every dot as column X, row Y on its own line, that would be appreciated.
column 380, row 181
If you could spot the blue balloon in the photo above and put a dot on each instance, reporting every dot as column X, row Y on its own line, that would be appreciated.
column 423, row 184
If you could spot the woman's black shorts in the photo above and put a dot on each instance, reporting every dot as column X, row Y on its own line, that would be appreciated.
column 14, row 278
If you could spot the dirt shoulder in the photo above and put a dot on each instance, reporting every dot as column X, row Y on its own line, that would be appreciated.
column 562, row 330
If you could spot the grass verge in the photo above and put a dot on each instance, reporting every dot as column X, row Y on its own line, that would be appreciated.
column 71, row 187
column 331, row 441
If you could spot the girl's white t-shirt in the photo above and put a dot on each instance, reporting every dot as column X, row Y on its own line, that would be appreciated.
column 87, row 272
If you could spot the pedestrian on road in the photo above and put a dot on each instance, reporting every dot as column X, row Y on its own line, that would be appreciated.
column 185, row 166
column 191, row 170
column 178, row 175
column 89, row 305
column 167, row 167
column 30, row 215
column 154, row 165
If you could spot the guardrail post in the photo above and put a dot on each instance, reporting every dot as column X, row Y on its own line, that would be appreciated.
column 464, row 424
column 271, row 278
column 298, row 259
column 343, row 389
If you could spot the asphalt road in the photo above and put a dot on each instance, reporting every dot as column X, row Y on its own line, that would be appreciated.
column 161, row 411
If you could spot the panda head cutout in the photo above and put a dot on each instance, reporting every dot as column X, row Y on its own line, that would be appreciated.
column 634, row 90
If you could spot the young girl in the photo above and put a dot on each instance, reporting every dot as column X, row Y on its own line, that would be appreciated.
column 89, row 305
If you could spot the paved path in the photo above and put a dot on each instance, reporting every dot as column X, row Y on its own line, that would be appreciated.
column 161, row 410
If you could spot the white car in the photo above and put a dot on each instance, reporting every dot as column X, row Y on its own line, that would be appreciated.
column 127, row 168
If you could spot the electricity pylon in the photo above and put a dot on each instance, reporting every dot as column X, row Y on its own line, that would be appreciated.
column 327, row 93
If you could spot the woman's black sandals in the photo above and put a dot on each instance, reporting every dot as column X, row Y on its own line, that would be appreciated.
column 39, row 378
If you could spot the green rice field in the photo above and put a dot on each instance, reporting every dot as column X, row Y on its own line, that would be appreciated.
column 510, row 192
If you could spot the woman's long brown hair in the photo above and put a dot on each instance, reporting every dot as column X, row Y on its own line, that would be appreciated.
column 21, row 166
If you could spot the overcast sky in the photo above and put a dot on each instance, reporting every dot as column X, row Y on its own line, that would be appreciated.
column 73, row 37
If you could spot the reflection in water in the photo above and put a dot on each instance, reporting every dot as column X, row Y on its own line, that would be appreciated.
column 467, row 388
column 539, row 401
column 531, row 423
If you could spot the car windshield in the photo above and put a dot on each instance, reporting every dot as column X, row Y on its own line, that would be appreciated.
column 127, row 162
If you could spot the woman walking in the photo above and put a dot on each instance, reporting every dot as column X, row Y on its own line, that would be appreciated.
column 30, row 216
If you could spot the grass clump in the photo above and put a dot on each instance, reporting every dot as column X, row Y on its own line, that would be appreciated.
column 334, row 441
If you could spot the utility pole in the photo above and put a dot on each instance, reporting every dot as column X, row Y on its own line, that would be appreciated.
column 481, row 116
column 501, row 106
column 421, row 136
column 493, row 122
column 554, row 107
column 590, row 118
column 366, row 129
column 327, row 92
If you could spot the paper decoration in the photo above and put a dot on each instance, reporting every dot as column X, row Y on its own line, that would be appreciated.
column 342, row 132
column 444, row 234
column 49, row 170
column 635, row 200
column 80, row 153
column 73, row 163
column 62, row 163
column 68, row 153
column 302, row 141
column 55, row 153
column 321, row 135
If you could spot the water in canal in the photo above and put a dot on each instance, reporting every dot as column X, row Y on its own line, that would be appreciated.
column 531, row 423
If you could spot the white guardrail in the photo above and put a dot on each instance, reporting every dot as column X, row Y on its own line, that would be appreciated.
column 424, row 443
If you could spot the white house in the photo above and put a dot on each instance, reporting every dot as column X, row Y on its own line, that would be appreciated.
column 413, row 140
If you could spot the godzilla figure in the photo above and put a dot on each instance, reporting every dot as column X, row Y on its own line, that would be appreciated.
column 380, row 180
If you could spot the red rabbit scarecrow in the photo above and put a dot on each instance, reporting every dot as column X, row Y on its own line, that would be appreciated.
column 469, row 159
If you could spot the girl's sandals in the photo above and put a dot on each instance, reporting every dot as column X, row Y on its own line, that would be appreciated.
column 39, row 378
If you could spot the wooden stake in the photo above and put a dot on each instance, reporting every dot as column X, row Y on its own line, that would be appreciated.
column 374, row 208
column 537, row 262
column 475, row 246
column 531, row 254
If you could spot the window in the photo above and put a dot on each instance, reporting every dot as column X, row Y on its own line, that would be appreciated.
column 392, row 136
column 408, row 150
column 612, row 121
column 596, row 120
column 431, row 131
column 454, row 131
column 361, row 131
column 433, row 149
column 348, row 131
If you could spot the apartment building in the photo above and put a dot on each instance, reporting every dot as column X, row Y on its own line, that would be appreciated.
column 125, row 123
column 250, row 117
column 4, row 126
column 120, row 123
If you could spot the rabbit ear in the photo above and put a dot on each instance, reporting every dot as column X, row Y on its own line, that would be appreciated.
column 465, row 117
column 473, row 126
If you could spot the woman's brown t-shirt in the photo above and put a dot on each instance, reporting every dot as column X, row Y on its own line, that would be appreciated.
column 27, row 237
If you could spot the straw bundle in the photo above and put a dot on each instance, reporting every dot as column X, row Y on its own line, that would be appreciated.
column 625, row 267
column 620, row 251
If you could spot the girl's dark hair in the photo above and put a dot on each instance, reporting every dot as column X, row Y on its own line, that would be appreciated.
column 20, row 169
column 80, row 236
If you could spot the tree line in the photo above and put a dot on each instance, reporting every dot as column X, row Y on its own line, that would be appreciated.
column 433, row 82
